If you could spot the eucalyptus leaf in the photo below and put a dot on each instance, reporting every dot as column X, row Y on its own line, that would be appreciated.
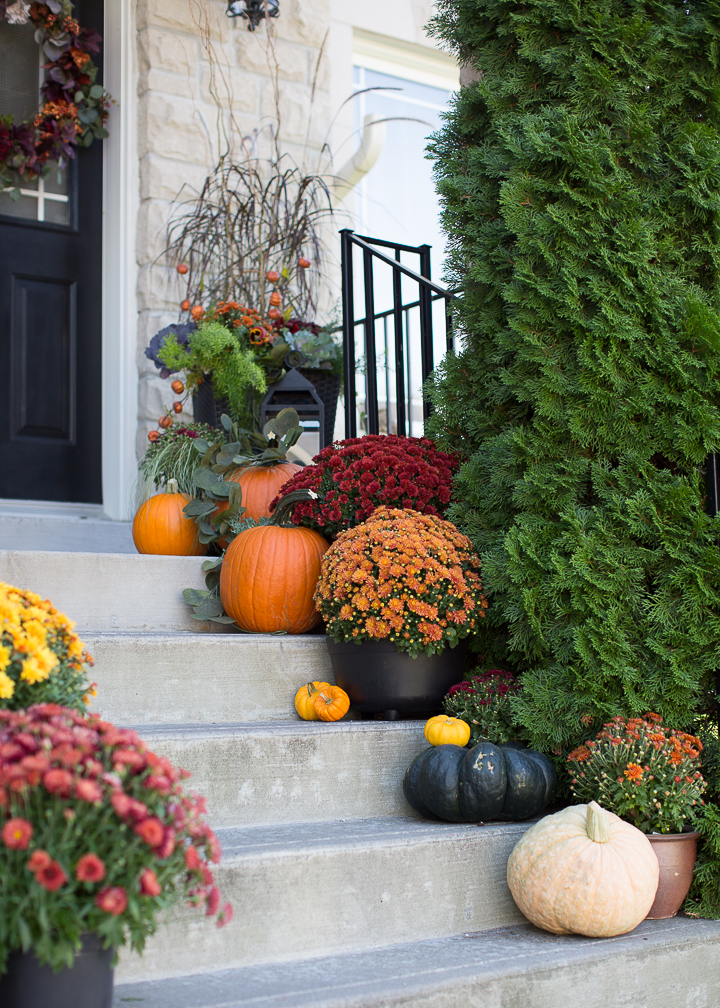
column 212, row 580
column 193, row 596
column 97, row 91
column 207, row 480
column 198, row 508
column 213, row 564
column 209, row 606
column 226, row 422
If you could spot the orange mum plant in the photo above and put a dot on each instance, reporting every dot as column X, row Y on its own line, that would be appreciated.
column 643, row 772
column 402, row 575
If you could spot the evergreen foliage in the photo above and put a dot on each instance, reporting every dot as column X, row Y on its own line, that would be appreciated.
column 580, row 177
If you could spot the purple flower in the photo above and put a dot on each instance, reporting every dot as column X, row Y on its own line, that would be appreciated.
column 181, row 331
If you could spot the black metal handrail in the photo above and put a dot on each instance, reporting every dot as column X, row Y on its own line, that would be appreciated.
column 428, row 292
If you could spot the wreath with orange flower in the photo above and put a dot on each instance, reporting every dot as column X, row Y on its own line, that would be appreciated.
column 75, row 108
column 407, row 577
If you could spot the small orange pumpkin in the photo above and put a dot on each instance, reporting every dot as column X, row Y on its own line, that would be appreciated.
column 160, row 526
column 269, row 575
column 305, row 699
column 332, row 704
column 261, row 485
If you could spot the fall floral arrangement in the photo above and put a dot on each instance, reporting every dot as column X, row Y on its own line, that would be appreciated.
column 97, row 835
column 75, row 107
column 643, row 772
column 172, row 455
column 409, row 577
column 41, row 659
column 483, row 701
column 351, row 478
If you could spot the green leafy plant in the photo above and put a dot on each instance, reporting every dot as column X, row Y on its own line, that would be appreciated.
column 577, row 176
column 97, row 835
column 484, row 702
column 643, row 772
column 214, row 349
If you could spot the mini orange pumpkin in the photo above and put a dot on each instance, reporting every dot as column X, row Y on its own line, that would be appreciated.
column 160, row 526
column 305, row 699
column 269, row 575
column 332, row 704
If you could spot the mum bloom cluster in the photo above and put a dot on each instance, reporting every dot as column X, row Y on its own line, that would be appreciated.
column 353, row 477
column 642, row 771
column 96, row 833
column 405, row 576
column 37, row 642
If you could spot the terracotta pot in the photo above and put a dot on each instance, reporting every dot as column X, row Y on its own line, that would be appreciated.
column 676, row 853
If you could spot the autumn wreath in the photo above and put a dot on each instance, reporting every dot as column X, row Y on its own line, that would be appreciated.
column 75, row 107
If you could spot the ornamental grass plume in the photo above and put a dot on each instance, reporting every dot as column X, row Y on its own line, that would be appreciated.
column 643, row 772
column 351, row 478
column 41, row 659
column 402, row 576
column 97, row 835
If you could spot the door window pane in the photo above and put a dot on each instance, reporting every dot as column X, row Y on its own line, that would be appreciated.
column 44, row 199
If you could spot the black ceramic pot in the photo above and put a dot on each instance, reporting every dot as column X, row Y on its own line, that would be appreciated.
column 380, row 679
column 87, row 984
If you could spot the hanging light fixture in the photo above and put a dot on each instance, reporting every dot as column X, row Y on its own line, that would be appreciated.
column 254, row 11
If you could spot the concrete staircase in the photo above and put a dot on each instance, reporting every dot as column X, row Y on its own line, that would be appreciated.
column 342, row 896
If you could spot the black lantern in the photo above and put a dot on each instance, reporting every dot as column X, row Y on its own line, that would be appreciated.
column 294, row 392
column 254, row 11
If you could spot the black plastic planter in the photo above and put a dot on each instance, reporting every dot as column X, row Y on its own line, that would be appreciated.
column 87, row 984
column 380, row 679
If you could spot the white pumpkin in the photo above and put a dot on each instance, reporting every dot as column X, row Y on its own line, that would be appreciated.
column 584, row 871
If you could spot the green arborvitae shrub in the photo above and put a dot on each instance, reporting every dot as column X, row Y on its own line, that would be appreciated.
column 581, row 184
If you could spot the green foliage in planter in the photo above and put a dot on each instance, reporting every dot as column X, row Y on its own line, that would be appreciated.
column 581, row 184
column 215, row 349
column 174, row 456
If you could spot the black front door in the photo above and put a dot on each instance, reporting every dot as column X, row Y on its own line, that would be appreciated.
column 50, row 304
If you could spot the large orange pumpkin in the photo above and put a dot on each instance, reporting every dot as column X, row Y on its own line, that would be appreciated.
column 268, row 578
column 261, row 484
column 161, row 527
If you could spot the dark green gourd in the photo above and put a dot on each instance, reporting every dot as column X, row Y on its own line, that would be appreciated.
column 479, row 784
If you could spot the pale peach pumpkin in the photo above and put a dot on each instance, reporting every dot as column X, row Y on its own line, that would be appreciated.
column 584, row 871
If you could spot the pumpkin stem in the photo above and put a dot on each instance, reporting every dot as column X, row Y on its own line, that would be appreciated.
column 310, row 688
column 597, row 823
column 172, row 486
column 282, row 515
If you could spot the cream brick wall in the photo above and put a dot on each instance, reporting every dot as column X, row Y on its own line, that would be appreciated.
column 204, row 82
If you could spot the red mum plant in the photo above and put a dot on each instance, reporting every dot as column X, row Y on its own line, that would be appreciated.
column 643, row 772
column 351, row 478
column 97, row 835
column 484, row 702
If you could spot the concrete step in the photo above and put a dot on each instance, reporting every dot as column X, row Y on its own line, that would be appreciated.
column 314, row 889
column 203, row 678
column 290, row 772
column 52, row 525
column 111, row 591
column 662, row 964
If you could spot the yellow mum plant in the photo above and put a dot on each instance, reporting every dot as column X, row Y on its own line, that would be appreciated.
column 402, row 575
column 41, row 659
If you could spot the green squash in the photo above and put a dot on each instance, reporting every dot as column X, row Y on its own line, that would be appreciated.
column 479, row 784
